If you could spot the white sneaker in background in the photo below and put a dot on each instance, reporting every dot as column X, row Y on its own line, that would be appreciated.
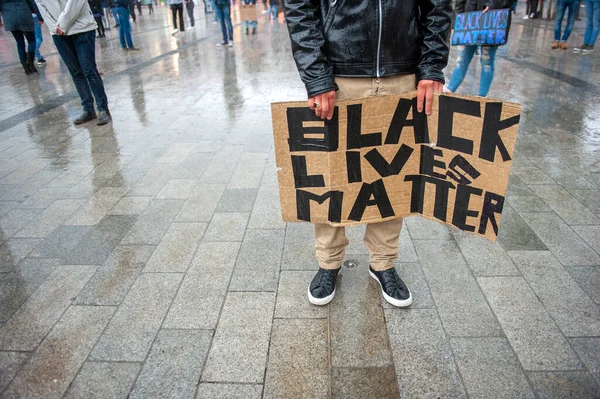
column 175, row 31
column 526, row 17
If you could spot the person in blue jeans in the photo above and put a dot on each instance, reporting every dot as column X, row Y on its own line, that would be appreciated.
column 39, row 38
column 273, row 9
column 73, row 27
column 122, row 11
column 246, row 23
column 561, row 8
column 223, row 12
column 592, row 26
column 463, row 59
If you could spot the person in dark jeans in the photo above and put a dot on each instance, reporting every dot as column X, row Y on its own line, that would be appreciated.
column 177, row 8
column 122, row 12
column 223, row 14
column 72, row 26
column 19, row 22
column 189, row 5
column 561, row 8
column 96, row 7
column 132, row 10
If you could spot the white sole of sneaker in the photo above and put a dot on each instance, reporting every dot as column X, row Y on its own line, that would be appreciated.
column 399, row 303
column 320, row 301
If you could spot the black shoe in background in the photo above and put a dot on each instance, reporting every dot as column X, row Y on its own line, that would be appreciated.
column 321, row 289
column 84, row 117
column 392, row 287
column 103, row 118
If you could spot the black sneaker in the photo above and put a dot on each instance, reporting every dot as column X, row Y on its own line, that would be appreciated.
column 588, row 49
column 392, row 287
column 84, row 117
column 580, row 48
column 41, row 61
column 321, row 289
column 103, row 118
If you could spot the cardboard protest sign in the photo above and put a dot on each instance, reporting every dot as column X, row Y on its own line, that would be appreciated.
column 476, row 28
column 378, row 159
column 248, row 13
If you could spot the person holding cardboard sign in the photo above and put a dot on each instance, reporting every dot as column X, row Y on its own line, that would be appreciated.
column 355, row 49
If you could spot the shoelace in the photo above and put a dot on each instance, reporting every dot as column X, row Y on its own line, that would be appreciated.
column 392, row 281
column 326, row 277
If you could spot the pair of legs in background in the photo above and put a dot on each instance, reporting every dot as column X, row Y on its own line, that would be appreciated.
column 463, row 59
column 177, row 9
column 122, row 15
column 223, row 14
column 381, row 239
column 79, row 55
column 189, row 5
column 39, row 38
column 561, row 8
column 26, row 56
column 592, row 25
column 247, row 23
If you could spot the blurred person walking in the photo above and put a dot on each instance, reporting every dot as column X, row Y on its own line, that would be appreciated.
column 592, row 26
column 247, row 23
column 223, row 13
column 177, row 9
column 123, row 13
column 72, row 26
column 96, row 7
column 561, row 8
column 189, row 6
column 18, row 21
column 39, row 38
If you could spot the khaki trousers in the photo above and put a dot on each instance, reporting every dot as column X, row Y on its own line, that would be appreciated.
column 381, row 239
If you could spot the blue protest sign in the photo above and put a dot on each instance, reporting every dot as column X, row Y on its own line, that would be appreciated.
column 479, row 29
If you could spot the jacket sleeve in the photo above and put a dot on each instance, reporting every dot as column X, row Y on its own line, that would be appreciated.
column 434, row 21
column 305, row 27
column 34, row 9
column 72, row 10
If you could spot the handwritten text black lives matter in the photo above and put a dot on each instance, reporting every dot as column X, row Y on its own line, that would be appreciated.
column 447, row 175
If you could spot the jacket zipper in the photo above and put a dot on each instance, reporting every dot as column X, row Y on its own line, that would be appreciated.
column 333, row 3
column 379, row 41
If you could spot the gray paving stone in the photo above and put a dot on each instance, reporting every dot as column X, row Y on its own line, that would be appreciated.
column 29, row 187
column 459, row 300
column 292, row 302
column 241, row 341
column 517, row 187
column 176, row 249
column 112, row 281
column 227, row 227
column 588, row 350
column 14, row 250
column 179, row 189
column 217, row 173
column 249, row 171
column 7, row 206
column 298, row 365
column 130, row 333
column 43, row 198
column 153, row 181
column 257, row 266
column 202, row 293
column 202, row 203
column 10, row 364
column 95, row 247
column 174, row 365
column 299, row 247
column 485, row 258
column 516, row 235
column 364, row 383
column 566, row 205
column 104, row 380
column 130, row 206
column 591, row 235
column 229, row 391
column 176, row 153
column 16, row 219
column 25, row 172
column 589, row 198
column 237, row 200
column 421, row 228
column 50, row 219
column 70, row 341
column 526, row 203
column 30, row 324
column 18, row 285
column 422, row 356
column 489, row 365
column 96, row 207
column 413, row 276
column 193, row 166
column 588, row 278
column 564, row 243
column 531, row 175
column 153, row 223
column 572, row 310
column 563, row 385
column 531, row 331
column 267, row 208
column 356, row 322
column 61, row 241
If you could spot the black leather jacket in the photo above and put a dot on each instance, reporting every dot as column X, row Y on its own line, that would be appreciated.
column 367, row 38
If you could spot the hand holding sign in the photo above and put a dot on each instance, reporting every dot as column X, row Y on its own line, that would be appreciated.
column 323, row 104
column 425, row 91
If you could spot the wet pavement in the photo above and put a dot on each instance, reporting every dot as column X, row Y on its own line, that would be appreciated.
column 148, row 257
